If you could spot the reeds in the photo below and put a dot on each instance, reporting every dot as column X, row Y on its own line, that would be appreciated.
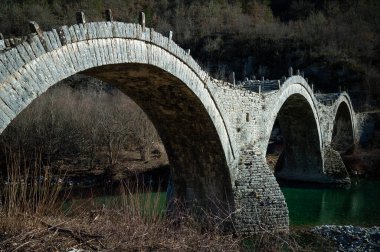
column 29, row 187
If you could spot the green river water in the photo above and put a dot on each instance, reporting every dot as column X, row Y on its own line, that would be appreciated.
column 357, row 205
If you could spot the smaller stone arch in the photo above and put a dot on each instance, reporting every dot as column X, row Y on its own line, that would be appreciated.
column 343, row 133
column 294, row 107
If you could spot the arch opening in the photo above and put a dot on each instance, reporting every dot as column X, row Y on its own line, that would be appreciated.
column 198, row 164
column 275, row 147
column 199, row 167
column 343, row 135
column 164, row 81
column 294, row 143
column 90, row 133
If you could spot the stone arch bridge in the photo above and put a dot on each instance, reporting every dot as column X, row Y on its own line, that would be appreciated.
column 215, row 133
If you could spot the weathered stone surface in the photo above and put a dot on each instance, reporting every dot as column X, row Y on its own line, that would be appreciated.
column 259, row 203
column 215, row 133
column 108, row 14
column 2, row 44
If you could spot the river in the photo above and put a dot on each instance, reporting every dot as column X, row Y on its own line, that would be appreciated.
column 308, row 205
column 357, row 205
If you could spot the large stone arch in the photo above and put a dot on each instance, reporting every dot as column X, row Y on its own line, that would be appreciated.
column 163, row 79
column 294, row 107
column 343, row 133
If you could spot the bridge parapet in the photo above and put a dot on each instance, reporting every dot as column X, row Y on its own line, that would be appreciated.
column 327, row 99
column 2, row 42
column 48, row 41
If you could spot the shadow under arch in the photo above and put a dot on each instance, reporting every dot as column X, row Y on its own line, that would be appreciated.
column 301, row 158
column 343, row 133
column 199, row 168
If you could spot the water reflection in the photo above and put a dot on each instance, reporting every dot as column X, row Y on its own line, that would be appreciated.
column 357, row 205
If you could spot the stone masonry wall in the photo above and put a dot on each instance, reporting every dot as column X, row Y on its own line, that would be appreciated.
column 240, row 109
column 259, row 202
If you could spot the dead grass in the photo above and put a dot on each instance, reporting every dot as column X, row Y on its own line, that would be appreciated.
column 113, row 230
column 272, row 161
column 34, row 218
column 126, row 228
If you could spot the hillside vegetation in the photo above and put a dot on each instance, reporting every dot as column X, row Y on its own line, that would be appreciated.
column 83, row 127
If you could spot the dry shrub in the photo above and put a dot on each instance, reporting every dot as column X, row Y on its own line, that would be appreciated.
column 82, row 123
column 28, row 190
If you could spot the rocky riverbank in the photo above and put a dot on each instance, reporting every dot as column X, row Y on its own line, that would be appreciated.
column 351, row 238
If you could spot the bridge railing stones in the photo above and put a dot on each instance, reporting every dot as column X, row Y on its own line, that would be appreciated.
column 108, row 15
column 290, row 71
column 2, row 42
column 327, row 99
column 265, row 86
